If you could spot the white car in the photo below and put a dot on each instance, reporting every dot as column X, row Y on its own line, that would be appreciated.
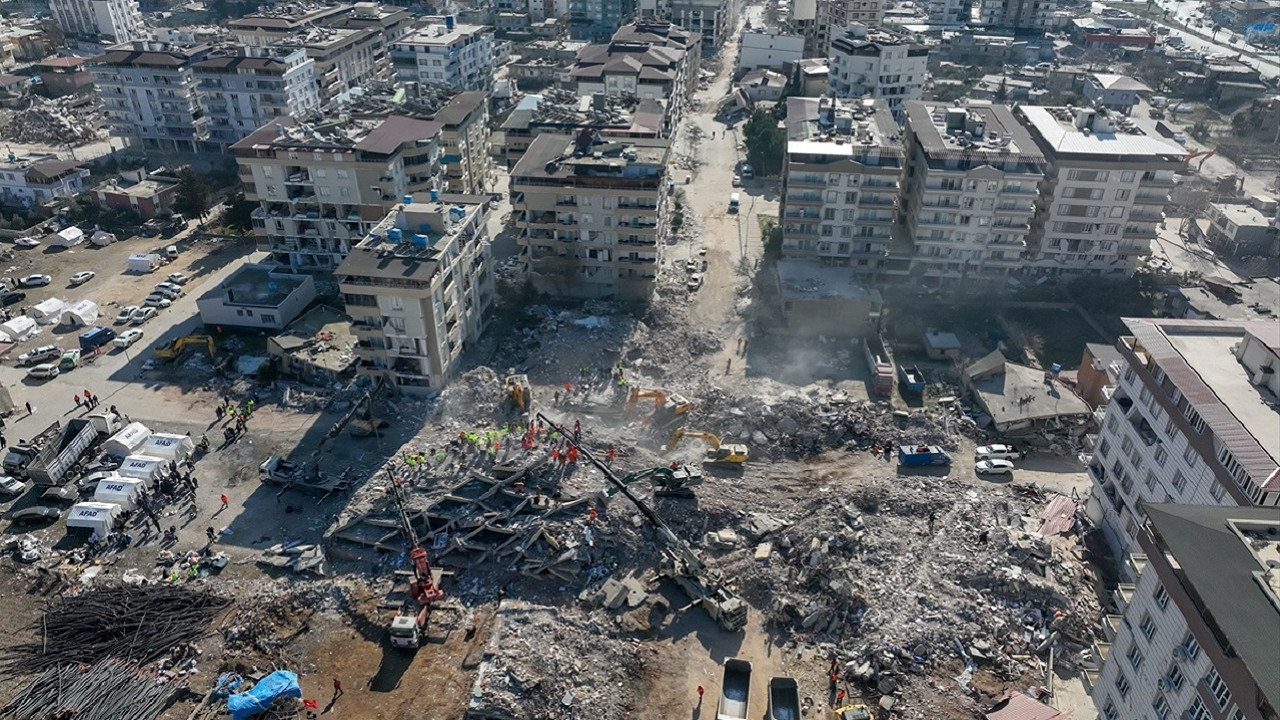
column 156, row 300
column 44, row 371
column 129, row 337
column 82, row 277
column 32, row 281
column 695, row 282
column 142, row 315
column 125, row 314
column 27, row 242
column 737, row 181
column 691, row 266
column 997, row 452
column 168, row 289
column 178, row 278
column 11, row 485
column 993, row 467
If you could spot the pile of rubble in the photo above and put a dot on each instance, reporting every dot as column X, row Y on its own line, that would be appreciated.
column 68, row 120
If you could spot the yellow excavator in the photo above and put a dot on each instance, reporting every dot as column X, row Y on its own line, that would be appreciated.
column 667, row 407
column 174, row 348
column 518, row 390
column 731, row 455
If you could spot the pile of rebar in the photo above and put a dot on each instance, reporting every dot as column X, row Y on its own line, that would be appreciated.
column 138, row 623
column 109, row 690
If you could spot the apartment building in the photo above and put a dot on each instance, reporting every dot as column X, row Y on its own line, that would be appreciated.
column 467, row 165
column 592, row 214
column 119, row 21
column 878, row 65
column 769, row 48
column 1198, row 630
column 973, row 174
column 445, row 52
column 321, row 188
column 1034, row 15
column 1103, row 194
column 840, row 181
column 648, row 61
column 598, row 20
column 28, row 181
column 949, row 12
column 835, row 16
column 710, row 20
column 417, row 288
column 149, row 95
column 241, row 93
column 1192, row 419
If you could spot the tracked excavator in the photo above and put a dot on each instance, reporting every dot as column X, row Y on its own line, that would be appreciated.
column 680, row 562
column 667, row 481
column 667, row 407
column 727, row 455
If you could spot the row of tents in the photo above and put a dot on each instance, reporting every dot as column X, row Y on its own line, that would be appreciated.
column 145, row 456
column 82, row 313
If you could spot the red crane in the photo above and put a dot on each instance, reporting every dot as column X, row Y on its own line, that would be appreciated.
column 423, row 586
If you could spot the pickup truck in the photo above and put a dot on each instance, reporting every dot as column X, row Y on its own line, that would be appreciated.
column 276, row 470
column 920, row 455
column 735, row 690
column 784, row 699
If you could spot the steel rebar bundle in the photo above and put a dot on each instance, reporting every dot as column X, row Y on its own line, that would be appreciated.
column 109, row 690
column 136, row 623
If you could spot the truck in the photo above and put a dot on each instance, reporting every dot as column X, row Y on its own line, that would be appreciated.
column 784, row 699
column 1170, row 132
column 921, row 455
column 276, row 470
column 49, row 467
column 880, row 364
column 95, row 338
column 20, row 455
column 735, row 690
column 912, row 379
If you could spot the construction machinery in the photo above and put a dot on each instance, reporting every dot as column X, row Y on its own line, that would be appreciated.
column 729, row 455
column 1203, row 155
column 667, row 407
column 518, row 391
column 852, row 712
column 680, row 562
column 669, row 481
column 174, row 348
column 406, row 628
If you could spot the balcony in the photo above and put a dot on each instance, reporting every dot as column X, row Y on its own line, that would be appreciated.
column 1111, row 625
column 805, row 199
column 806, row 181
column 884, row 200
column 1124, row 594
column 1013, row 208
column 942, row 188
column 1150, row 199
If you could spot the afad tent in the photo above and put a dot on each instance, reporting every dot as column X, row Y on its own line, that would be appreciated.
column 168, row 447
column 142, row 467
column 96, row 516
column 120, row 491
column 127, row 441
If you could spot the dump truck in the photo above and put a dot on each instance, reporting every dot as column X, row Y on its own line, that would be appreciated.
column 880, row 364
column 20, row 455
column 735, row 690
column 784, row 699
column 912, row 379
column 50, row 466
column 921, row 455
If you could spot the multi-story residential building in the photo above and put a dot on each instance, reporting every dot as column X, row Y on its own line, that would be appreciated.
column 592, row 214
column 241, row 93
column 465, row 157
column 769, row 48
column 878, row 65
column 1193, row 419
column 1035, row 15
column 1103, row 194
column 650, row 61
column 598, row 20
column 445, row 52
column 275, row 23
column 149, row 95
column 116, row 20
column 972, row 178
column 949, row 12
column 840, row 182
column 711, row 20
column 1198, row 632
column 417, row 288
column 25, row 182
column 320, row 188
column 835, row 16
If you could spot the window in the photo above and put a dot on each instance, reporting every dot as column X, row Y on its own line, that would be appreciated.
column 396, row 324
column 1161, row 597
column 1113, row 421
column 1190, row 455
column 1122, row 685
column 1127, row 176
column 1109, row 711
column 1174, row 678
column 1134, row 656
column 1104, row 448
column 1126, row 445
column 1161, row 708
column 267, row 318
column 1149, row 480
column 1218, row 688
column 1161, row 455
column 1147, row 626
column 1170, row 427
column 1112, row 229
column 1189, row 649
column 1179, row 481
column 1218, row 491
column 1198, row 711
column 1122, row 195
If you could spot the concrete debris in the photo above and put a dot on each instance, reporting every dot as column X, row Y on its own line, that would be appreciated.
column 71, row 120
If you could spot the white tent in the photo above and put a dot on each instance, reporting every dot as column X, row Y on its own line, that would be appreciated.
column 82, row 314
column 143, row 468
column 120, row 491
column 168, row 447
column 127, row 441
column 102, row 239
column 47, row 312
column 68, row 237
column 19, row 328
column 97, row 516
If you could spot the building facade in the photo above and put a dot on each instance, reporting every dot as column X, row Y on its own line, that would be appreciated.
column 465, row 154
column 769, row 48
column 649, row 61
column 1103, row 194
column 840, row 180
column 150, row 96
column 320, row 189
column 1197, row 632
column 711, row 20
column 241, row 93
column 25, row 182
column 878, row 67
column 1187, row 422
column 973, row 174
column 1016, row 14
column 445, row 52
column 116, row 20
column 417, row 288
column 592, row 215
column 598, row 20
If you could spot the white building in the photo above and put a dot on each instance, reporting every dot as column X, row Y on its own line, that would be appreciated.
column 417, row 289
column 26, row 182
column 149, row 95
column 878, row 66
column 1103, row 194
column 1198, row 631
column 257, row 297
column 116, row 20
column 948, row 12
column 769, row 48
column 1192, row 420
column 1015, row 14
column 711, row 20
column 241, row 93
column 445, row 52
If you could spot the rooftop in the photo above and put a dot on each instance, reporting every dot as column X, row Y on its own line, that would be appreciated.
column 289, row 16
column 1013, row 393
column 1227, row 558
column 382, row 136
column 323, row 335
column 839, row 126
column 561, row 156
column 807, row 280
column 460, row 106
column 437, row 33
column 257, row 286
column 1118, row 82
column 1084, row 131
column 1242, row 215
column 976, row 130
column 1221, row 299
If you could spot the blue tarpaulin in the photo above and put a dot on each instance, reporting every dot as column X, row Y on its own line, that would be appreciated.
column 280, row 683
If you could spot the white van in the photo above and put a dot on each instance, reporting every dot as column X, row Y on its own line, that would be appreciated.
column 734, row 202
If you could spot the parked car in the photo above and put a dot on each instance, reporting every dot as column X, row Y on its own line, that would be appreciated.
column 997, row 452
column 747, row 171
column 35, row 514
column 12, row 297
column 11, row 485
column 169, row 290
column 156, row 300
column 27, row 242
column 178, row 278
column 737, row 181
column 142, row 315
column 62, row 494
column 89, row 482
column 40, row 354
column 32, row 281
column 125, row 314
column 82, row 277
column 127, row 338
column 44, row 371
column 691, row 266
column 993, row 467
column 695, row 282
